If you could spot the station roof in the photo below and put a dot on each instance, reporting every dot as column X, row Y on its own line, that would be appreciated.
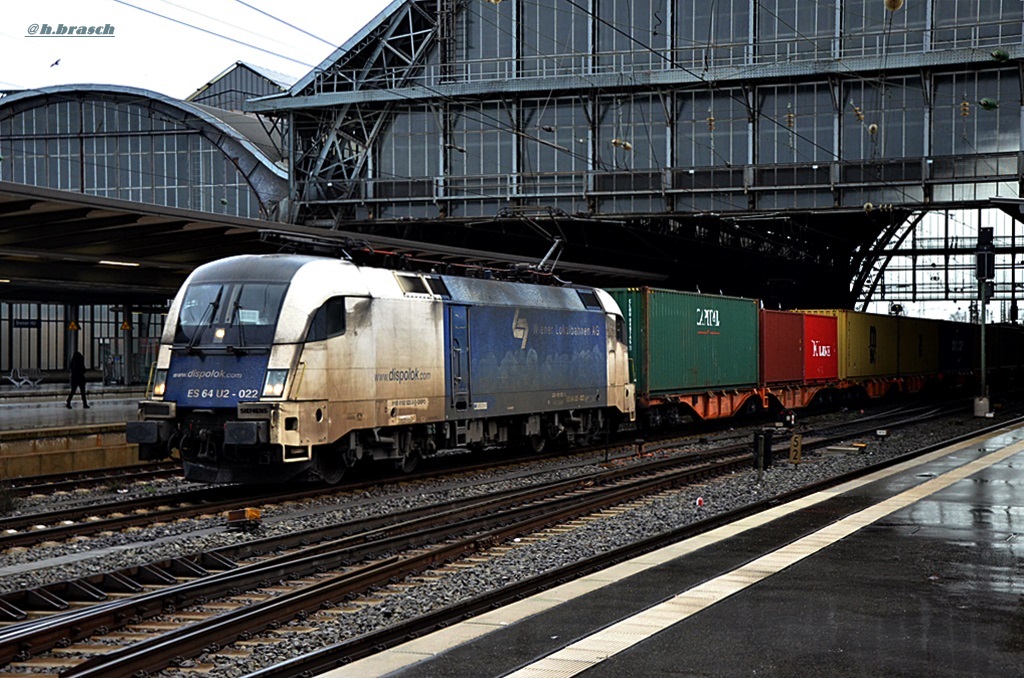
column 59, row 246
column 242, row 128
column 63, row 246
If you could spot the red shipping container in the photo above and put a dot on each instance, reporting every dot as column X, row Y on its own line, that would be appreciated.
column 782, row 347
column 821, row 355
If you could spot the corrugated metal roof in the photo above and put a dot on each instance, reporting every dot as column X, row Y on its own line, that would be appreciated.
column 239, row 82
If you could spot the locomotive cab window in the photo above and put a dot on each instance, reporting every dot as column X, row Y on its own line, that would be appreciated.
column 231, row 313
column 328, row 321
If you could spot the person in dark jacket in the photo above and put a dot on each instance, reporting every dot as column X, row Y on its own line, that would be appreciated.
column 77, row 378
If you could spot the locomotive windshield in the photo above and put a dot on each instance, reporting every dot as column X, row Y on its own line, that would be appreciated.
column 229, row 315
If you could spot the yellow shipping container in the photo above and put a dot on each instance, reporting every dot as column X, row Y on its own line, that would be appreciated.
column 919, row 346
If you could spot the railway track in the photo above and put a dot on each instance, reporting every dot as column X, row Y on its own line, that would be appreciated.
column 81, row 521
column 337, row 654
column 347, row 561
column 26, row 486
column 308, row 577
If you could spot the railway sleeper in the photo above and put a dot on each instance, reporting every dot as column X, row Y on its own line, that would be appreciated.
column 98, row 588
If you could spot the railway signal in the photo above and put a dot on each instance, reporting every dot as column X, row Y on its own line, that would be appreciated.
column 985, row 273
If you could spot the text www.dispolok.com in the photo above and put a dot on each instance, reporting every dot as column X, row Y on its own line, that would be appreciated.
column 207, row 374
column 411, row 374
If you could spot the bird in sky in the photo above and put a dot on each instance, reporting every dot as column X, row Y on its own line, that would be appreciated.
column 55, row 63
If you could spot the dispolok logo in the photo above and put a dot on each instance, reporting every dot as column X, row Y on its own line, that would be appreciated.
column 820, row 350
column 402, row 375
column 520, row 328
column 207, row 374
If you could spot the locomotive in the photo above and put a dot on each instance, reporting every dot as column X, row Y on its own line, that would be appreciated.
column 291, row 366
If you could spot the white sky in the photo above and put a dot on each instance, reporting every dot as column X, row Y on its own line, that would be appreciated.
column 156, row 53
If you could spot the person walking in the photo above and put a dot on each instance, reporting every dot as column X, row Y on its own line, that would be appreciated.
column 77, row 368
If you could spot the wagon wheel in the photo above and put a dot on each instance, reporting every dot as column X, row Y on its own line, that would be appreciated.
column 408, row 463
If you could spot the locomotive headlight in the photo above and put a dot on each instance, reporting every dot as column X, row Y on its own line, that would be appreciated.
column 159, row 383
column 273, row 385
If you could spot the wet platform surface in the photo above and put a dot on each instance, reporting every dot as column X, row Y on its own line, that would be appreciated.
column 917, row 571
column 43, row 406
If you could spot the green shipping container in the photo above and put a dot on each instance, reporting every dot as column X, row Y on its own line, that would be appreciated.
column 685, row 342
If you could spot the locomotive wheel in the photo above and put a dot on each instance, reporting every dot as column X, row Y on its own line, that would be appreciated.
column 538, row 443
column 409, row 463
column 330, row 467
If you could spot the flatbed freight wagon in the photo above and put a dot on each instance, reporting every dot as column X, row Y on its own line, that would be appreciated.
column 690, row 353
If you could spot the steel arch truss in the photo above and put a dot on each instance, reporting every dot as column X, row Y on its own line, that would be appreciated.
column 331, row 145
column 930, row 256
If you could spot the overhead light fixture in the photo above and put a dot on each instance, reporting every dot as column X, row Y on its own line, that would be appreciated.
column 4, row 280
column 128, row 264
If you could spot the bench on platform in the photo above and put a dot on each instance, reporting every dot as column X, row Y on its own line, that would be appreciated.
column 26, row 378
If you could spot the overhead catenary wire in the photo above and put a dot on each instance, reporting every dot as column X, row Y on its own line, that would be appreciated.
column 216, row 34
column 233, row 25
column 289, row 25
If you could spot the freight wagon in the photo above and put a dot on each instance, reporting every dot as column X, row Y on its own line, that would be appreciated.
column 710, row 356
column 799, row 357
column 882, row 353
column 690, row 354
column 868, row 344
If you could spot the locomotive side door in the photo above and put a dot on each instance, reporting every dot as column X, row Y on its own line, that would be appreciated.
column 458, row 321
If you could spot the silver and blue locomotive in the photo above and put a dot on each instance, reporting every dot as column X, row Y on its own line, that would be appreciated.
column 277, row 367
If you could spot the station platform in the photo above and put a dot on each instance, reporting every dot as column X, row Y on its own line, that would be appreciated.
column 39, row 435
column 43, row 406
column 916, row 570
